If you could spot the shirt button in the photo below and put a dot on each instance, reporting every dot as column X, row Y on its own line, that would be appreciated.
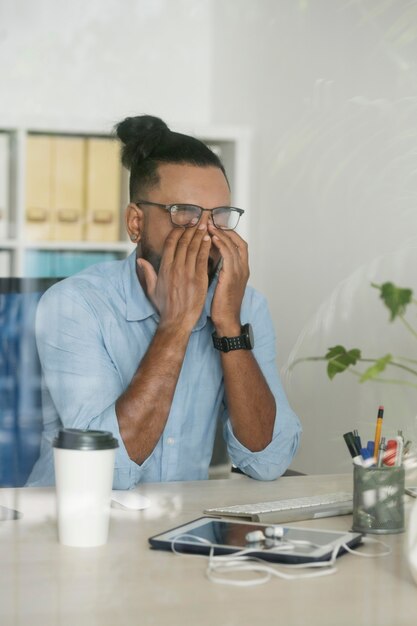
column 170, row 441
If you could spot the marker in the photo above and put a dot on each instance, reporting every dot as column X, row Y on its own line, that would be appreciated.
column 368, row 457
column 378, row 430
column 370, row 447
column 351, row 444
column 390, row 454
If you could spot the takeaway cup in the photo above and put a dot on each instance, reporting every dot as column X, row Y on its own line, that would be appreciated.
column 84, row 465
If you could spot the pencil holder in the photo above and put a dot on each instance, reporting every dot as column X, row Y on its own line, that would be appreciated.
column 378, row 505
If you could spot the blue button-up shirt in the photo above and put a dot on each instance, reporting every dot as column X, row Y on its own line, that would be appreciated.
column 94, row 328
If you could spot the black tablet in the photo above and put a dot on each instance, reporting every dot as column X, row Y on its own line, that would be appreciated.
column 296, row 545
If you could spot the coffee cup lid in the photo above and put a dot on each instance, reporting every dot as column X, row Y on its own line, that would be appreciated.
column 77, row 439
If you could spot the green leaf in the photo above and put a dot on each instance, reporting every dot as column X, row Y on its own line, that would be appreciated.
column 395, row 298
column 376, row 368
column 339, row 359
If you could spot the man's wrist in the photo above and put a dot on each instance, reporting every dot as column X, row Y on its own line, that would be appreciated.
column 227, row 328
column 242, row 341
column 174, row 333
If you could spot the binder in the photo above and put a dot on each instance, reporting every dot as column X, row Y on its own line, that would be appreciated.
column 4, row 186
column 68, row 185
column 38, row 186
column 46, row 263
column 103, row 190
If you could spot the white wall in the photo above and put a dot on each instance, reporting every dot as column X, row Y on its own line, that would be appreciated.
column 329, row 88
column 103, row 60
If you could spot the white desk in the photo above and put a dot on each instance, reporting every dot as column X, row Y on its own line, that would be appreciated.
column 43, row 583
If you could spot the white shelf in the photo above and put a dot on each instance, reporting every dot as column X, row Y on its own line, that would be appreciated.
column 83, row 246
column 9, row 244
column 234, row 144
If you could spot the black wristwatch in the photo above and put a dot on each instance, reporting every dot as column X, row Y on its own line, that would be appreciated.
column 244, row 341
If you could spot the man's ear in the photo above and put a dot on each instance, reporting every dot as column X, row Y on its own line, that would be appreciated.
column 134, row 222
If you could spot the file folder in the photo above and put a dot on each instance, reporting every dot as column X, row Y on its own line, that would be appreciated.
column 103, row 190
column 68, row 185
column 38, row 186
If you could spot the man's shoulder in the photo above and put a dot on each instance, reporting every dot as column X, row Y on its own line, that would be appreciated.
column 101, row 279
column 254, row 298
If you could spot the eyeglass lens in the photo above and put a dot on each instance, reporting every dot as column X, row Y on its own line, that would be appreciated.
column 187, row 215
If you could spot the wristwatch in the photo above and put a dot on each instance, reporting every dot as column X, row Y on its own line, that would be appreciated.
column 244, row 341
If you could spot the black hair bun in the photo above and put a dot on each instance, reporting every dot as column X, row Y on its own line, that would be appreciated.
column 140, row 136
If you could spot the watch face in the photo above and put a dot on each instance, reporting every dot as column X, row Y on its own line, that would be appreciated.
column 249, row 336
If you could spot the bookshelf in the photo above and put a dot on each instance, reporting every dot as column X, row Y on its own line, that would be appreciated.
column 17, row 243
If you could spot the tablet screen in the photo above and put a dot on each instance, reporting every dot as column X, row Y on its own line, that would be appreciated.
column 227, row 536
column 233, row 534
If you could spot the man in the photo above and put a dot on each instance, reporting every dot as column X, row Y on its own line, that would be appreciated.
column 138, row 347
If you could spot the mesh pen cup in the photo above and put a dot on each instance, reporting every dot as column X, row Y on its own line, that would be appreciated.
column 84, row 466
column 378, row 505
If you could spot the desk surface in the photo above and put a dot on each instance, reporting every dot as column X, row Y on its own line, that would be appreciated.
column 43, row 583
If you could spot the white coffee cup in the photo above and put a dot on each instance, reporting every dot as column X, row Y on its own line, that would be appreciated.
column 84, row 466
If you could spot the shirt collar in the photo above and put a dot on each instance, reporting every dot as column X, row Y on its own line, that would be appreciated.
column 139, row 307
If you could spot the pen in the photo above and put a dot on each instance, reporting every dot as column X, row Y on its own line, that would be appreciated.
column 378, row 430
column 381, row 452
column 357, row 439
column 400, row 451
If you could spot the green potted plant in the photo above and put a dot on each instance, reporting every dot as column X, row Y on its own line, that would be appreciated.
column 339, row 359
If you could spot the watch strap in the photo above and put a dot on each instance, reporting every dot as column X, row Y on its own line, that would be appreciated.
column 240, row 342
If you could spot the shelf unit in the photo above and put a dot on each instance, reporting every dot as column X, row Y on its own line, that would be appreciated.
column 233, row 144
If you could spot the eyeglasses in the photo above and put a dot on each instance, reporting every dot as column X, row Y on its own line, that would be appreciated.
column 188, row 215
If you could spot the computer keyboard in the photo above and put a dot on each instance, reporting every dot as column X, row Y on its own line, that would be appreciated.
column 291, row 509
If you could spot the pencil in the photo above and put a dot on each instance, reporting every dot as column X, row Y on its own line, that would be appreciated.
column 378, row 430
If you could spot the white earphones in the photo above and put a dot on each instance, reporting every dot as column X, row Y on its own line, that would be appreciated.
column 274, row 532
column 255, row 536
column 271, row 532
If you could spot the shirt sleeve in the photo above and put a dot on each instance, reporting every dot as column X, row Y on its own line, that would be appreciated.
column 273, row 460
column 79, row 373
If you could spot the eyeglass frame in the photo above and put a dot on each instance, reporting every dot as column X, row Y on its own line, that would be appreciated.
column 169, row 207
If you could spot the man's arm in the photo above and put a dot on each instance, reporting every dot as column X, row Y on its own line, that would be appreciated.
column 250, row 401
column 178, row 292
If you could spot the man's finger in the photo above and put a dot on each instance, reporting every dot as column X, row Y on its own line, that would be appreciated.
column 230, row 237
column 184, row 243
column 201, row 261
column 150, row 278
column 195, row 244
column 233, row 249
column 231, row 259
column 170, row 245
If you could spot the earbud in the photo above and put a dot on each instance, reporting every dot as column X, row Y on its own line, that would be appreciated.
column 274, row 532
column 255, row 536
column 271, row 532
